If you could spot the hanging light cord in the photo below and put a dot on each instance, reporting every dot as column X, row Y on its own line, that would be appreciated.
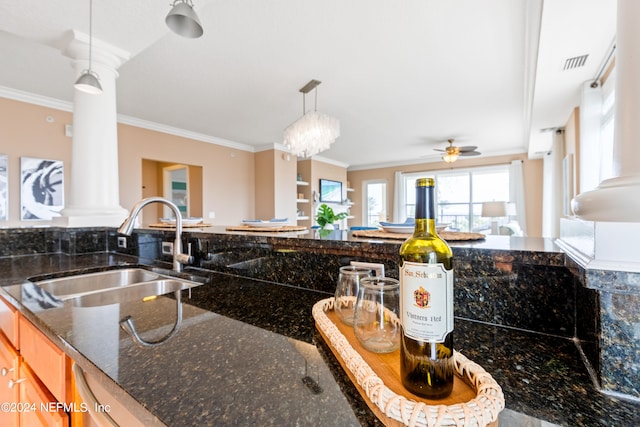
column 304, row 105
column 90, row 32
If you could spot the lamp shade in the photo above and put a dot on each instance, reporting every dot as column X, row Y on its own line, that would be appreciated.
column 184, row 21
column 88, row 82
column 450, row 158
column 494, row 209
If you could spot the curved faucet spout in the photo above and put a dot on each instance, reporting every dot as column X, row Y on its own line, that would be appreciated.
column 127, row 324
column 127, row 227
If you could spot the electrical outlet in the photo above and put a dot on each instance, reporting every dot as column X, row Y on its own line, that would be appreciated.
column 122, row 242
column 212, row 215
column 167, row 248
column 377, row 268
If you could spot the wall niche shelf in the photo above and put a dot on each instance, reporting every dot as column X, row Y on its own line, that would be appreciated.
column 303, row 197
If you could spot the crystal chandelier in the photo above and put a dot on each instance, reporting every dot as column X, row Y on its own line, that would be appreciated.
column 313, row 132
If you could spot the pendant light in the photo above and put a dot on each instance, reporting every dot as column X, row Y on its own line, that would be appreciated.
column 89, row 81
column 313, row 132
column 183, row 20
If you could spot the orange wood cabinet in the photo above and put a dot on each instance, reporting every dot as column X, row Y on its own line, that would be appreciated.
column 9, row 392
column 52, row 366
column 34, row 379
column 9, row 322
column 44, row 409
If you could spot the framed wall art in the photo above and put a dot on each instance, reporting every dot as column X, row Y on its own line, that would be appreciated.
column 41, row 188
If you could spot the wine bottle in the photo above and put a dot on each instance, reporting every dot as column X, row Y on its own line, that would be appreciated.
column 426, row 303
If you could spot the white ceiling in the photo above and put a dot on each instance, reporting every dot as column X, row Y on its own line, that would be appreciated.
column 402, row 77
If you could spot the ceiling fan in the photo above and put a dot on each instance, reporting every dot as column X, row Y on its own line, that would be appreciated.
column 452, row 152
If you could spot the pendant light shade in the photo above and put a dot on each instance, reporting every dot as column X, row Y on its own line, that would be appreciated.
column 313, row 132
column 89, row 81
column 183, row 20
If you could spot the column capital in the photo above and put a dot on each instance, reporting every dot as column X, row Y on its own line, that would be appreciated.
column 76, row 46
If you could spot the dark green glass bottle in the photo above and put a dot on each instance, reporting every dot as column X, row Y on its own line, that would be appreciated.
column 426, row 303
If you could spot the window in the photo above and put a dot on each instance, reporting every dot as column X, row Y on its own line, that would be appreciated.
column 460, row 194
column 375, row 195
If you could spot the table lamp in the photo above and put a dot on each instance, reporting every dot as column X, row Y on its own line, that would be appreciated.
column 494, row 210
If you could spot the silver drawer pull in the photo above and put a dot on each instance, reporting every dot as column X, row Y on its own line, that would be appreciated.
column 5, row 371
column 14, row 382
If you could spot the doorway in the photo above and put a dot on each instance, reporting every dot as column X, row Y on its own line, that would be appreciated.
column 175, row 180
column 158, row 175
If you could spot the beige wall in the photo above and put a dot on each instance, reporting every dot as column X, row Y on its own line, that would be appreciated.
column 227, row 173
column 532, row 171
column 275, row 184
column 27, row 130
column 264, row 184
column 312, row 171
column 229, row 176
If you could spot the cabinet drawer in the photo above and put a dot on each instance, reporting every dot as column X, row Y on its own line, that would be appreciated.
column 9, row 360
column 46, row 413
column 43, row 357
column 9, row 321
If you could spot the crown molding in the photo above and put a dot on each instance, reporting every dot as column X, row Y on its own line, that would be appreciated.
column 31, row 98
column 44, row 101
column 158, row 127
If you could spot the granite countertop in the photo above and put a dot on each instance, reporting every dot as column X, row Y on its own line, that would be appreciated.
column 245, row 346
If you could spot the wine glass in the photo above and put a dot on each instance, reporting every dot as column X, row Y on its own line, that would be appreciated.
column 376, row 324
column 347, row 291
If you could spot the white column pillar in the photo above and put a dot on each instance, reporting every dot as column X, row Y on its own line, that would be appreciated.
column 94, row 198
column 617, row 199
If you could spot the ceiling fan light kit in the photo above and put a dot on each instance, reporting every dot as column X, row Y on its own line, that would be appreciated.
column 452, row 152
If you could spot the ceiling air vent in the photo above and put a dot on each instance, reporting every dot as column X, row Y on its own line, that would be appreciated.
column 575, row 62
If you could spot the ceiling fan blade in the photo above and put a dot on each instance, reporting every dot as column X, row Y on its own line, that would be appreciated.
column 438, row 149
column 467, row 148
column 470, row 153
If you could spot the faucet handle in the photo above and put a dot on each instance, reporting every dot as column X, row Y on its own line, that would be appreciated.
column 184, row 259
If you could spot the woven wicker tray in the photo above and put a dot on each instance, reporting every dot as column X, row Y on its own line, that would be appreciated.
column 476, row 400
column 266, row 229
column 169, row 225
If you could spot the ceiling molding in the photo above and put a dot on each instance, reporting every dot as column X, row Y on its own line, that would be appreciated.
column 158, row 127
column 435, row 159
column 325, row 160
column 32, row 98
column 43, row 101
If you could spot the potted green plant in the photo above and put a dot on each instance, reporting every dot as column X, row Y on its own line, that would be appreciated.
column 326, row 217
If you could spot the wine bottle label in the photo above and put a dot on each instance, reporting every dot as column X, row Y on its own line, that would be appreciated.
column 426, row 301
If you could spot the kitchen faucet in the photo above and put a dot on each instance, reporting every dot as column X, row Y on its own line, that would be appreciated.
column 127, row 228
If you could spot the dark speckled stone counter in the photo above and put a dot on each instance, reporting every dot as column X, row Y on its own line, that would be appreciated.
column 248, row 337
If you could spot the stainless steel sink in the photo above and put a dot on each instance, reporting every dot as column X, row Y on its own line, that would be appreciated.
column 136, row 291
column 93, row 289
